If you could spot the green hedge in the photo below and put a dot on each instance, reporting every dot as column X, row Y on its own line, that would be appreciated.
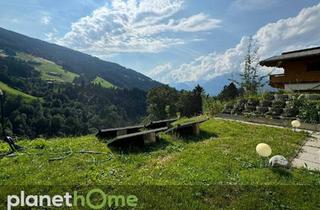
column 309, row 111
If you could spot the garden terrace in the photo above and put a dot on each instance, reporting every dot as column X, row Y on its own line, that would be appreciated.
column 305, row 107
column 222, row 155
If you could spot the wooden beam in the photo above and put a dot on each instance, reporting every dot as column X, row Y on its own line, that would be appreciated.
column 160, row 123
column 137, row 139
column 113, row 132
column 188, row 129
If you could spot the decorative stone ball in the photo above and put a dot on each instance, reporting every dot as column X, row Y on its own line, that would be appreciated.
column 278, row 161
column 295, row 123
column 263, row 150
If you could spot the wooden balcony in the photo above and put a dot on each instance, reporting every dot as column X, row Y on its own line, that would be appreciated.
column 278, row 80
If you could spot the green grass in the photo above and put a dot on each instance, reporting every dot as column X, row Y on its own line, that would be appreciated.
column 15, row 92
column 104, row 83
column 220, row 168
column 49, row 70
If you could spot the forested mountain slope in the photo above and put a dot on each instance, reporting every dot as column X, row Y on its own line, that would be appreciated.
column 88, row 66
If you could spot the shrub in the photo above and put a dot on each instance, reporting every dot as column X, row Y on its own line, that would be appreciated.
column 309, row 111
column 213, row 107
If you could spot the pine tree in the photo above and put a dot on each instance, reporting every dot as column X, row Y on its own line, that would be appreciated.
column 251, row 81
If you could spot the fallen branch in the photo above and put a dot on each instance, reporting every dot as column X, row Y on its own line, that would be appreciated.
column 63, row 157
column 8, row 154
column 93, row 152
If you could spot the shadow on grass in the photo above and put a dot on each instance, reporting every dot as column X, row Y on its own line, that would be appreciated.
column 204, row 135
column 161, row 143
column 134, row 149
column 286, row 173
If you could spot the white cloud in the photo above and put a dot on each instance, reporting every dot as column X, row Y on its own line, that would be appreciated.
column 161, row 70
column 286, row 34
column 45, row 20
column 134, row 26
column 253, row 4
column 52, row 35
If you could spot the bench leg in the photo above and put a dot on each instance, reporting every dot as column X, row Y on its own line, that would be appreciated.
column 196, row 129
column 149, row 138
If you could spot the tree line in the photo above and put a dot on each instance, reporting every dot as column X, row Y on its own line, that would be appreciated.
column 64, row 109
column 80, row 108
column 166, row 102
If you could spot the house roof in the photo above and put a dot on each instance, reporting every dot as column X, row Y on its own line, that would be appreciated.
column 276, row 61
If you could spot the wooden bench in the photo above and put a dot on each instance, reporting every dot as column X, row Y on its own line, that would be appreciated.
column 136, row 139
column 188, row 129
column 160, row 123
column 113, row 132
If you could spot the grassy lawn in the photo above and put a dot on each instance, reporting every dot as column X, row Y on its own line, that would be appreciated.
column 104, row 83
column 49, row 70
column 223, row 157
column 15, row 92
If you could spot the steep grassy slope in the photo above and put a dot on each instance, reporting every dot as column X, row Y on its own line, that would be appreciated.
column 76, row 62
column 49, row 70
column 224, row 156
column 15, row 92
column 100, row 81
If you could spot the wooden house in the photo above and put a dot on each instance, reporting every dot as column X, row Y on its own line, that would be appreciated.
column 301, row 70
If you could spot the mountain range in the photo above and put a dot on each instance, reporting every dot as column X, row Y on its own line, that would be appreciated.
column 76, row 62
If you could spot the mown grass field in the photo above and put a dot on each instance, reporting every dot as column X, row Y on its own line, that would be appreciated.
column 218, row 169
column 104, row 83
column 11, row 91
column 49, row 70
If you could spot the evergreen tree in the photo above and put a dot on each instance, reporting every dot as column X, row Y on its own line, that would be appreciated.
column 229, row 92
column 251, row 81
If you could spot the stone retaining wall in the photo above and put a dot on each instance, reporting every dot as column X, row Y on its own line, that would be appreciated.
column 277, row 122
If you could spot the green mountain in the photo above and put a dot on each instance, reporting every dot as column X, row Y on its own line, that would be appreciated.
column 76, row 62
column 100, row 81
column 54, row 91
column 49, row 71
column 4, row 87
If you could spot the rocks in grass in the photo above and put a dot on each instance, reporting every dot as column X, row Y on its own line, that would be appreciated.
column 249, row 108
column 275, row 111
column 227, row 108
column 311, row 97
column 251, row 105
column 268, row 97
column 262, row 110
column 238, row 107
column 279, row 161
column 253, row 102
column 263, row 107
column 281, row 97
column 279, row 104
column 290, row 112
column 265, row 103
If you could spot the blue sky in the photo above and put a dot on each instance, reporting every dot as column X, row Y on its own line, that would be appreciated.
column 174, row 41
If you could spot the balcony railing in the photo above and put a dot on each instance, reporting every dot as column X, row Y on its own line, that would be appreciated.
column 278, row 80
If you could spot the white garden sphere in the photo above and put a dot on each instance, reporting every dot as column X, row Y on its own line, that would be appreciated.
column 263, row 150
column 296, row 123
